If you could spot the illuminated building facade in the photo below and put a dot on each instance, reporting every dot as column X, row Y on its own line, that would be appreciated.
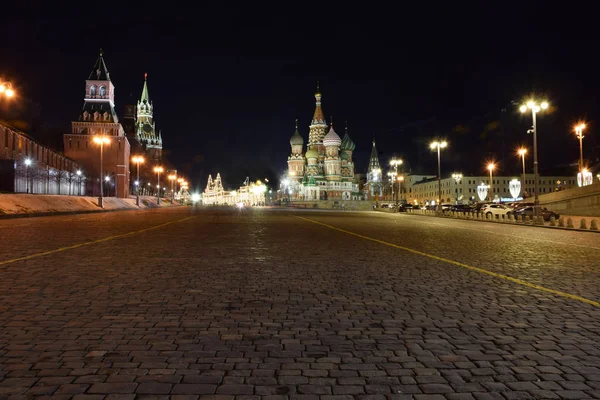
column 374, row 186
column 250, row 193
column 146, row 133
column 98, row 118
column 326, row 170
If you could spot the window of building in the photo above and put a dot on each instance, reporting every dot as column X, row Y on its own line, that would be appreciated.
column 92, row 90
column 102, row 91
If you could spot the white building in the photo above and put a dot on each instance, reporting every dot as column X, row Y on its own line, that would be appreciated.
column 251, row 193
column 464, row 190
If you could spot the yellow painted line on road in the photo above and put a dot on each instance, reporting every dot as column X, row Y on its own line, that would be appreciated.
column 106, row 239
column 459, row 264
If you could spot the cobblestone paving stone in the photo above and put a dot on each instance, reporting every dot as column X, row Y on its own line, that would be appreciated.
column 262, row 304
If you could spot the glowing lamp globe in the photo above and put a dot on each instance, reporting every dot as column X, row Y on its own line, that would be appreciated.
column 514, row 186
column 482, row 191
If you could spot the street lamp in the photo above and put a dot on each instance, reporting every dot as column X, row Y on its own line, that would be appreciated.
column 137, row 160
column 491, row 167
column 107, row 180
column 158, row 170
column 392, row 175
column 522, row 151
column 79, row 179
column 172, row 178
column 457, row 178
column 27, row 164
column 6, row 89
column 579, row 133
column 395, row 163
column 535, row 108
column 101, row 140
column 400, row 180
column 438, row 146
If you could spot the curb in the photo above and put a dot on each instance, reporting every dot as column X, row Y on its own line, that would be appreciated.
column 506, row 223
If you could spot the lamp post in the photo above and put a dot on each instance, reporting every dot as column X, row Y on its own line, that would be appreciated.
column 535, row 108
column 179, row 182
column 579, row 133
column 107, row 180
column 158, row 170
column 490, row 168
column 172, row 178
column 439, row 145
column 137, row 160
column 522, row 151
column 457, row 178
column 101, row 140
column 27, row 164
column 79, row 181
column 375, row 176
column 395, row 163
column 392, row 176
column 400, row 180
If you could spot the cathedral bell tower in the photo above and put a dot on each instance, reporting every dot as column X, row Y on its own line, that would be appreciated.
column 318, row 126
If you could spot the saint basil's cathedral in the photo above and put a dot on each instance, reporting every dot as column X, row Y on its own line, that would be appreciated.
column 326, row 170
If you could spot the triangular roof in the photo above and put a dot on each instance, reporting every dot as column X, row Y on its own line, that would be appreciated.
column 145, row 97
column 99, row 72
column 374, row 160
column 318, row 117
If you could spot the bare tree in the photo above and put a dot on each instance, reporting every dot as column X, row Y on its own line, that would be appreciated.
column 59, row 176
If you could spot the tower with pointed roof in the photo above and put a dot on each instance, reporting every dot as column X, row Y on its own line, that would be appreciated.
column 296, row 159
column 318, row 127
column 146, row 133
column 98, row 118
column 374, row 185
column 347, row 165
column 332, row 143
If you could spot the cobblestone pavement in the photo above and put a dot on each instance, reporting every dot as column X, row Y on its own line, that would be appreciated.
column 256, row 304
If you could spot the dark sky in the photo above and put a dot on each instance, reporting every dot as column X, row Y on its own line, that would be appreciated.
column 228, row 82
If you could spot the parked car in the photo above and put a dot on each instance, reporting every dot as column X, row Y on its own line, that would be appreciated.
column 405, row 207
column 463, row 208
column 528, row 212
column 492, row 210
column 517, row 204
column 477, row 207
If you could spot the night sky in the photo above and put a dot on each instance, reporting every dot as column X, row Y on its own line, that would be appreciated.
column 227, row 83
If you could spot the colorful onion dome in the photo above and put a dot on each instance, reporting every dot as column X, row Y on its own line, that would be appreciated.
column 312, row 153
column 296, row 137
column 347, row 143
column 332, row 138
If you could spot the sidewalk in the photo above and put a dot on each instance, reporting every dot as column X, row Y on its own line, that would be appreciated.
column 576, row 221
